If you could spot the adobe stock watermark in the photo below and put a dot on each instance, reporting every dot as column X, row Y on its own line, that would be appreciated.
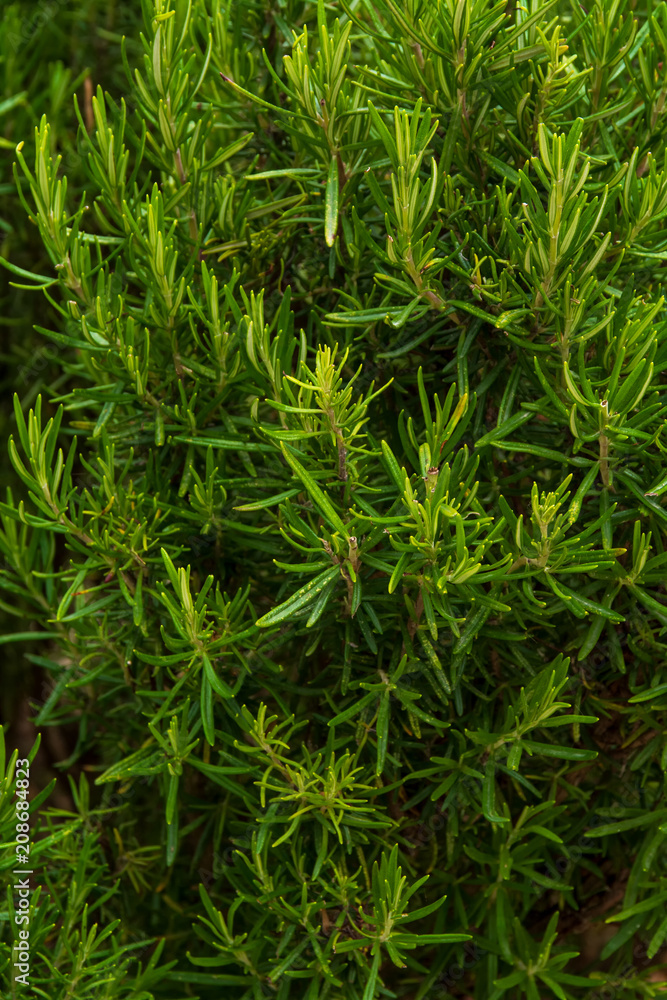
column 40, row 14
column 39, row 361
column 23, row 871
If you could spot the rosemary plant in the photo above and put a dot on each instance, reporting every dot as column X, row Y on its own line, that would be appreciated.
column 340, row 523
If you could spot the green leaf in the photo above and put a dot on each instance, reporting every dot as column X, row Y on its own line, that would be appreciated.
column 352, row 710
column 562, row 753
column 269, row 502
column 306, row 595
column 646, row 904
column 331, row 203
column 648, row 694
column 633, row 823
column 318, row 497
column 40, row 279
column 489, row 795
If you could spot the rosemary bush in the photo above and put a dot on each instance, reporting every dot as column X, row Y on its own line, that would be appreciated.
column 42, row 65
column 341, row 522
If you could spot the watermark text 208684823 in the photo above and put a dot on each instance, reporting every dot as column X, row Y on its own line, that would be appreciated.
column 22, row 868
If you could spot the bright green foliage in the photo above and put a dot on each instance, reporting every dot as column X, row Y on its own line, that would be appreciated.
column 343, row 519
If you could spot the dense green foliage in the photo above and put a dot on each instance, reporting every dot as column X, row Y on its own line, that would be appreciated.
column 341, row 516
column 42, row 64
